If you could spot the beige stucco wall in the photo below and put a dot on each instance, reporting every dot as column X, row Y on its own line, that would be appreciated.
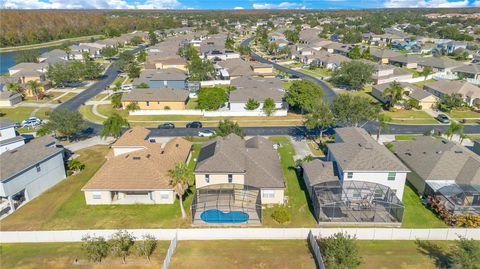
column 277, row 199
column 428, row 102
column 158, row 105
column 217, row 179
column 106, row 198
column 156, row 195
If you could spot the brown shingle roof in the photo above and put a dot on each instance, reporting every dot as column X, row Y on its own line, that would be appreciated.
column 157, row 95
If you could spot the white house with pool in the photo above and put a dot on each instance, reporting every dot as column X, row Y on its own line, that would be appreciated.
column 234, row 179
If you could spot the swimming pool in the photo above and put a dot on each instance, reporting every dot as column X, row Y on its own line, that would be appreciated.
column 217, row 216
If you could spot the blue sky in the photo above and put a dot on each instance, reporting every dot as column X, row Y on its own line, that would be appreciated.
column 232, row 4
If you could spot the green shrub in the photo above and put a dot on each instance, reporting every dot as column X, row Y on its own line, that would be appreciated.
column 280, row 214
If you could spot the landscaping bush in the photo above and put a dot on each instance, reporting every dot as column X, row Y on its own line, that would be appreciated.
column 280, row 214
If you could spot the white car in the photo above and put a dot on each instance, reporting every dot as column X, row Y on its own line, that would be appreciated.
column 206, row 133
column 127, row 87
column 31, row 122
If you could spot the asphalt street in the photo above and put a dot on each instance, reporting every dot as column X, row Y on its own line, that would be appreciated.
column 112, row 72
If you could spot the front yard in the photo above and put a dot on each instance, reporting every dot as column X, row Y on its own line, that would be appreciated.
column 317, row 72
column 410, row 117
column 464, row 114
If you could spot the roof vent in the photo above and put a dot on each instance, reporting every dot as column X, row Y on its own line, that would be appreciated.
column 458, row 151
column 136, row 158
column 148, row 156
column 177, row 145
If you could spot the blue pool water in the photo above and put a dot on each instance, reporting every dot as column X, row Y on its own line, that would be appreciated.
column 217, row 216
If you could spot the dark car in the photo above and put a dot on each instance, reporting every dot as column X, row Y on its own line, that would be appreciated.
column 194, row 124
column 167, row 125
column 443, row 118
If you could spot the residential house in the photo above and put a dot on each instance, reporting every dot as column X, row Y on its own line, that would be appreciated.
column 258, row 89
column 469, row 92
column 25, row 72
column 163, row 78
column 8, row 137
column 29, row 170
column 405, row 61
column 383, row 56
column 451, row 46
column 438, row 64
column 444, row 170
column 360, row 182
column 387, row 73
column 328, row 60
column 358, row 157
column 53, row 56
column 234, row 68
column 136, row 171
column 468, row 71
column 262, row 69
column 425, row 99
column 338, row 48
column 235, row 178
column 476, row 146
column 162, row 98
column 8, row 98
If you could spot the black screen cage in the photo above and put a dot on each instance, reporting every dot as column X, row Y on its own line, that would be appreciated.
column 356, row 202
column 460, row 198
column 227, row 198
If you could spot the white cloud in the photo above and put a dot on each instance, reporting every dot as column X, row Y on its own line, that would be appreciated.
column 282, row 5
column 238, row 8
column 90, row 4
column 476, row 3
column 425, row 3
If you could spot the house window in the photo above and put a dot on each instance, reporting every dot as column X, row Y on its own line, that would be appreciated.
column 148, row 103
column 349, row 175
column 391, row 176
column 230, row 178
column 207, row 178
column 96, row 195
column 38, row 168
column 164, row 195
column 268, row 194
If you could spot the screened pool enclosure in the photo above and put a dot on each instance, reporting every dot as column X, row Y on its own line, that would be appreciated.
column 356, row 202
column 227, row 204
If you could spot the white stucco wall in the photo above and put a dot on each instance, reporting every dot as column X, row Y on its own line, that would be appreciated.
column 11, row 146
column 241, row 106
column 105, row 197
column 51, row 172
column 122, row 150
column 217, row 179
column 7, row 133
column 381, row 178
column 277, row 198
column 157, row 196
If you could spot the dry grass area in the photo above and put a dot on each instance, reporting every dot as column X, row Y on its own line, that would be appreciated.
column 242, row 254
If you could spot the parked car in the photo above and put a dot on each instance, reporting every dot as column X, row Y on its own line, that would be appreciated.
column 167, row 125
column 127, row 87
column 194, row 124
column 443, row 118
column 31, row 122
column 206, row 133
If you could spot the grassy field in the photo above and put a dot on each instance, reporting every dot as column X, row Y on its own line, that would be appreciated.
column 16, row 114
column 49, row 44
column 416, row 215
column 63, row 206
column 301, row 213
column 462, row 114
column 403, row 254
column 63, row 255
column 243, row 254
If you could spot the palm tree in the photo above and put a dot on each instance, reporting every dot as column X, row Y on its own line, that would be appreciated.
column 113, row 126
column 179, row 180
column 33, row 85
column 427, row 70
column 455, row 128
column 67, row 50
column 383, row 121
column 14, row 87
column 133, row 106
column 395, row 92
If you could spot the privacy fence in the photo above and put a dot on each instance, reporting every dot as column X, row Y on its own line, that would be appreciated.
column 245, row 233
column 171, row 249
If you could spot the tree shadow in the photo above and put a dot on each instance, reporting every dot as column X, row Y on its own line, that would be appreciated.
column 435, row 252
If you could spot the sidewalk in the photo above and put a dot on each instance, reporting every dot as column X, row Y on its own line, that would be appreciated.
column 301, row 148
column 89, row 143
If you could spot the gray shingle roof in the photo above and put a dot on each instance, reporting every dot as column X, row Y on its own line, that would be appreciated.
column 6, row 123
column 360, row 152
column 256, row 88
column 319, row 171
column 256, row 158
column 16, row 160
column 439, row 159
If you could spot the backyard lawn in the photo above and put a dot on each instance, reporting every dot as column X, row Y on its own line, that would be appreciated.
column 416, row 215
column 402, row 254
column 17, row 114
column 63, row 255
column 243, row 254
column 301, row 214
column 63, row 206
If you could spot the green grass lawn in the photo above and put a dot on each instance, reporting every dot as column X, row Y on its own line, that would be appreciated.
column 301, row 214
column 192, row 103
column 406, row 137
column 87, row 114
column 421, row 83
column 63, row 206
column 410, row 117
column 365, row 92
column 43, row 113
column 462, row 114
column 243, row 254
column 416, row 215
column 317, row 72
column 63, row 255
column 67, row 96
column 402, row 254
column 17, row 114
column 51, row 95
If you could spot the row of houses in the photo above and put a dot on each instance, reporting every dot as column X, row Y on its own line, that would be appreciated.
column 360, row 181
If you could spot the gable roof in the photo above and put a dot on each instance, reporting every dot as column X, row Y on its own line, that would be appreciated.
column 449, row 87
column 439, row 159
column 468, row 68
column 360, row 152
column 255, row 158
column 156, row 95
column 145, row 169
column 319, row 171
column 256, row 88
column 439, row 62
